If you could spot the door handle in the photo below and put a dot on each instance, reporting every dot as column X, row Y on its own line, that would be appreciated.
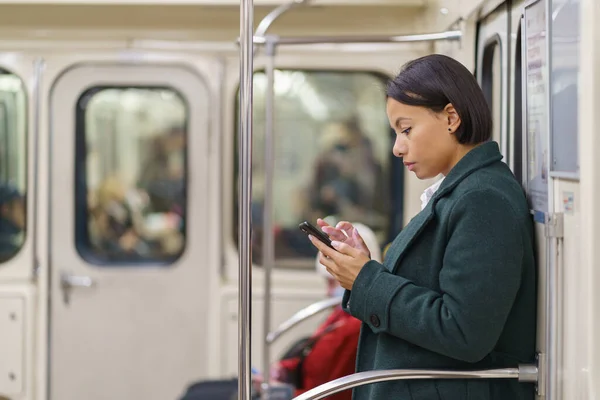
column 68, row 281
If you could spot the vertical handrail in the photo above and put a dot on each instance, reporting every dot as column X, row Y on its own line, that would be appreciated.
column 268, row 245
column 38, row 67
column 268, row 257
column 245, row 192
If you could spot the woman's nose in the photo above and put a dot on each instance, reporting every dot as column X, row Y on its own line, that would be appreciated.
column 399, row 148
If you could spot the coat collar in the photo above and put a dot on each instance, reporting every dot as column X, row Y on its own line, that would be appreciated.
column 479, row 157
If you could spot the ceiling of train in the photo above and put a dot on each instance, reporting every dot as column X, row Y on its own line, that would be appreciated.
column 217, row 20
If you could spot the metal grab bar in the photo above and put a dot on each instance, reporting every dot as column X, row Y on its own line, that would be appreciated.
column 245, row 193
column 301, row 315
column 268, row 234
column 422, row 37
column 524, row 373
column 268, row 20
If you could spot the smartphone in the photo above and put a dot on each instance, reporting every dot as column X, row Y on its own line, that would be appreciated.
column 312, row 230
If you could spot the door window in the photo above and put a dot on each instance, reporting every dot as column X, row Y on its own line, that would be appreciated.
column 131, row 175
column 13, row 165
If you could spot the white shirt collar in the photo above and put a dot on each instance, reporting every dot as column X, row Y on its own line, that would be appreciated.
column 429, row 192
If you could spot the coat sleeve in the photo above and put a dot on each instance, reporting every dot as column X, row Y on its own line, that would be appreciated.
column 479, row 281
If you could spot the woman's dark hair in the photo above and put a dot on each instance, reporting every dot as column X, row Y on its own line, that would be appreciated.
column 434, row 81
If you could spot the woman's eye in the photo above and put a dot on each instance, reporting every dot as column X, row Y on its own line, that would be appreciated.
column 406, row 131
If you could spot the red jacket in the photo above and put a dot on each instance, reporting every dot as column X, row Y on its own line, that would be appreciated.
column 333, row 355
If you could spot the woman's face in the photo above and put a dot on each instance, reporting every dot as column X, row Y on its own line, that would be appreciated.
column 423, row 140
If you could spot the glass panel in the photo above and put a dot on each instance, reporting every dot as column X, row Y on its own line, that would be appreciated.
column 564, row 85
column 13, row 165
column 131, row 175
column 332, row 158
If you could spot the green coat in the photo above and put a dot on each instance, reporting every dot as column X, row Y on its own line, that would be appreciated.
column 456, row 291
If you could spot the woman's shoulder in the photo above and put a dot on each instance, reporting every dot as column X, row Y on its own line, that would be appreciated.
column 495, row 180
column 492, row 186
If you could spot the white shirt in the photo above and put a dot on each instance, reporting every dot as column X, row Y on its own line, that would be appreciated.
column 429, row 192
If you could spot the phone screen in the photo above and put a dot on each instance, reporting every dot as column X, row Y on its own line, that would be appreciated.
column 309, row 229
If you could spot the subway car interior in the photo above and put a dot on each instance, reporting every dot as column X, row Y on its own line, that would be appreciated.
column 157, row 157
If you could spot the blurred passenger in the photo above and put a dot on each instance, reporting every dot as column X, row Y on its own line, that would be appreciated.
column 12, row 221
column 163, row 174
column 121, row 226
column 112, row 228
column 348, row 180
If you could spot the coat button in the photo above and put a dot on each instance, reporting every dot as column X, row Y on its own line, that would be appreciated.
column 375, row 320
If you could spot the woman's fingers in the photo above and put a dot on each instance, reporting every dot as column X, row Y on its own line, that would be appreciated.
column 328, row 263
column 334, row 234
column 361, row 243
column 321, row 222
column 346, row 227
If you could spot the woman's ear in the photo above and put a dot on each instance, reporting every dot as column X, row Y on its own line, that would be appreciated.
column 453, row 118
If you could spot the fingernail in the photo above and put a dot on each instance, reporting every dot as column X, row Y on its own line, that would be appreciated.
column 310, row 237
column 335, row 243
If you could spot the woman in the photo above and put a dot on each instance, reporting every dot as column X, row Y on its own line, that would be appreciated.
column 330, row 353
column 457, row 289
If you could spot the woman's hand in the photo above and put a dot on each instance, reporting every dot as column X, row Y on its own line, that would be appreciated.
column 346, row 233
column 345, row 263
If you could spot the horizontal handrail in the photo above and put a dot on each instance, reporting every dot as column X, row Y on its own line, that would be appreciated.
column 302, row 315
column 524, row 373
column 356, row 39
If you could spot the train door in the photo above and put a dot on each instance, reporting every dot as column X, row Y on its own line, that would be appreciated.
column 16, row 235
column 492, row 62
column 129, row 278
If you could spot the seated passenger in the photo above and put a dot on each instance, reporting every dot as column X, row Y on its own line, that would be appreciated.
column 330, row 353
column 348, row 179
column 12, row 221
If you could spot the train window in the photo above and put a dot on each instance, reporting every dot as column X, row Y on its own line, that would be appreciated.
column 332, row 158
column 492, row 84
column 131, row 175
column 13, row 165
column 564, row 86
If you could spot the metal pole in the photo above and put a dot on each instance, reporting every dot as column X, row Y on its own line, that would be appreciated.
column 245, row 196
column 39, row 66
column 425, row 37
column 268, row 259
column 268, row 237
column 268, row 20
